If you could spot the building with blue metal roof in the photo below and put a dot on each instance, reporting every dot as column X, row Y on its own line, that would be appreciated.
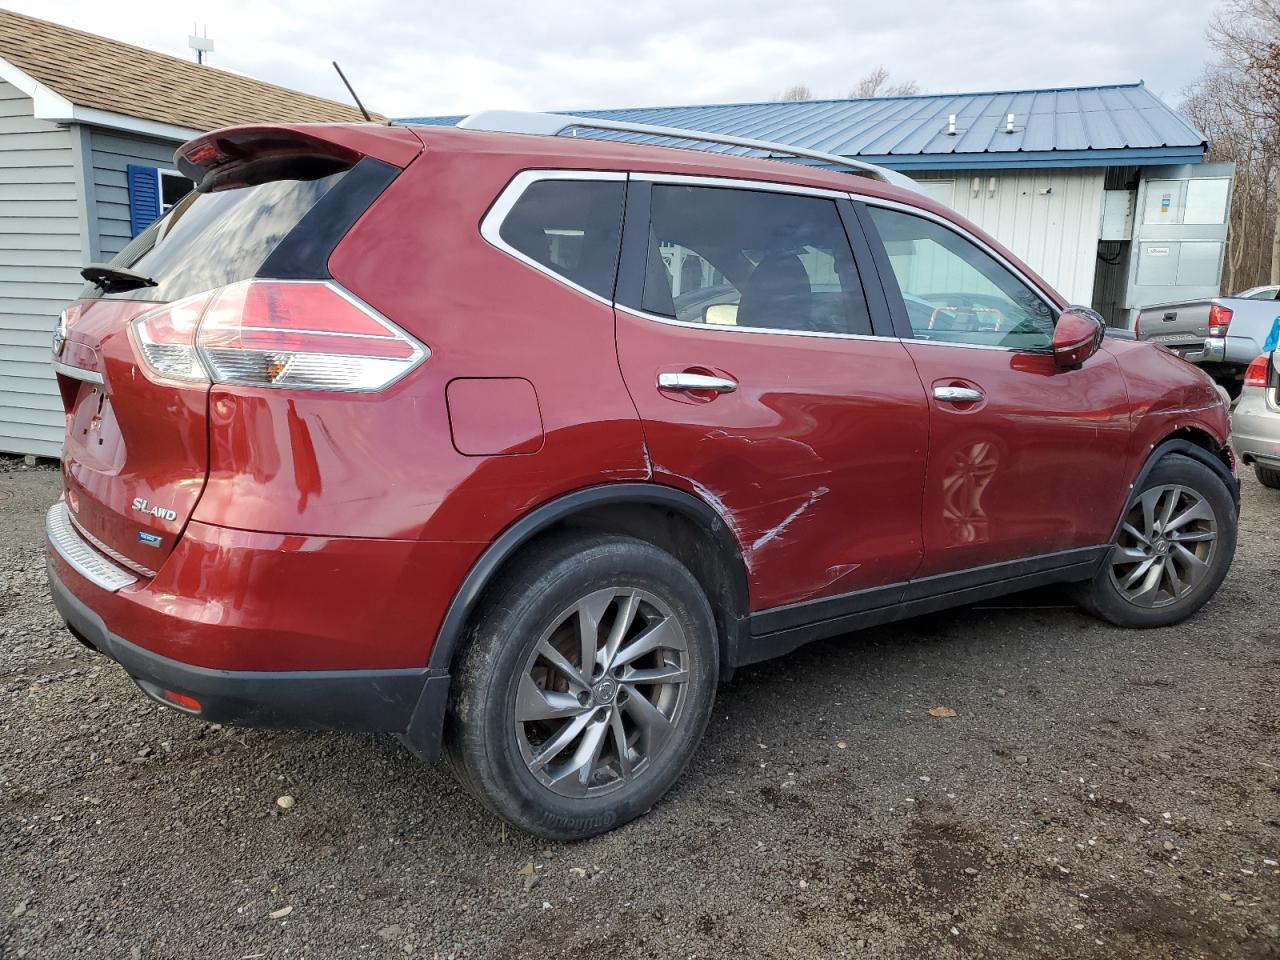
column 1102, row 189
column 1063, row 127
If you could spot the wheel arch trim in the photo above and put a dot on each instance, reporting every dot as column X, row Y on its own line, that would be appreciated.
column 1185, row 447
column 543, row 517
column 425, row 733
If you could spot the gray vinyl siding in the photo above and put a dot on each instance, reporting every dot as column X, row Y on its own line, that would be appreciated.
column 112, row 152
column 41, row 252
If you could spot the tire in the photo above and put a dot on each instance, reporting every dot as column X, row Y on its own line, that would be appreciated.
column 1267, row 476
column 1187, row 488
column 519, row 689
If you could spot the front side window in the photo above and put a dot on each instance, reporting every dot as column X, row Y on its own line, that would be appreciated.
column 955, row 291
column 745, row 258
column 571, row 227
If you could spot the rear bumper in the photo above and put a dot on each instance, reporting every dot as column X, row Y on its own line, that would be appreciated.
column 410, row 703
column 1255, row 428
column 155, row 634
column 1232, row 351
column 1214, row 350
column 370, row 700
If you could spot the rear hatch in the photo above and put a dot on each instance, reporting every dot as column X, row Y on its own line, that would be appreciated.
column 271, row 202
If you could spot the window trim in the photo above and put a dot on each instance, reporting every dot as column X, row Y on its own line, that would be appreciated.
column 491, row 223
column 726, row 328
column 491, row 226
column 737, row 183
column 161, row 173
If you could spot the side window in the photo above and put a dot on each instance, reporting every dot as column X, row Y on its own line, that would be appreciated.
column 571, row 227
column 955, row 291
column 751, row 258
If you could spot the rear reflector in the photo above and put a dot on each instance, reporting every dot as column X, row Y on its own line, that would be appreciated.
column 1256, row 374
column 183, row 701
column 302, row 335
column 1219, row 320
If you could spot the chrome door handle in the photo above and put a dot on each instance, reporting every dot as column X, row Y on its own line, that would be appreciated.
column 957, row 394
column 696, row 382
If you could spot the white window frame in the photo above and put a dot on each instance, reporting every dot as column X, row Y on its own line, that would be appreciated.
column 161, row 173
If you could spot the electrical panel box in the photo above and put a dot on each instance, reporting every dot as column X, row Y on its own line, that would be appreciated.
column 1178, row 225
column 1117, row 214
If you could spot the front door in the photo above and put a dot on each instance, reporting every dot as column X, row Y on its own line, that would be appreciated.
column 1025, row 460
column 747, row 344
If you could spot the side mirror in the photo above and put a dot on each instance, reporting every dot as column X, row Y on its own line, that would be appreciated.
column 1077, row 336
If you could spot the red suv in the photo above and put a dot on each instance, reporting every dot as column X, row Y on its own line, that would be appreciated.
column 516, row 445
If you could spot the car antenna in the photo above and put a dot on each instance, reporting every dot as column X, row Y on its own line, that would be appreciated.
column 351, row 90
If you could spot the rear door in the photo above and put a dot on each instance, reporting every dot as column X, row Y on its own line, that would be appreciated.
column 1025, row 460
column 748, row 345
column 136, row 451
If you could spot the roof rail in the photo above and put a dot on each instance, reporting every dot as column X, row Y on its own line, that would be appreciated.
column 551, row 124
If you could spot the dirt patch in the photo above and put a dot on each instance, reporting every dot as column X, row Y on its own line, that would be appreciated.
column 1100, row 793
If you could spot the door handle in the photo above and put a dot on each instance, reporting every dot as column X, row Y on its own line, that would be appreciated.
column 957, row 394
column 696, row 382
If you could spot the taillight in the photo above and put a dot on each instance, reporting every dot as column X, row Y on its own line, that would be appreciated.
column 302, row 335
column 1219, row 320
column 1256, row 374
column 167, row 339
column 1137, row 323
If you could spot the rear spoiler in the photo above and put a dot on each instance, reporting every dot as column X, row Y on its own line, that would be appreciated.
column 244, row 156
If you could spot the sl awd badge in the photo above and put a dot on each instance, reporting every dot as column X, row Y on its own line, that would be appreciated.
column 163, row 513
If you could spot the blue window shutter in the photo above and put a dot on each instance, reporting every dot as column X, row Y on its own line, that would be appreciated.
column 144, row 197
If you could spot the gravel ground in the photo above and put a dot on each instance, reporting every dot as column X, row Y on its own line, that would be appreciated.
column 1100, row 793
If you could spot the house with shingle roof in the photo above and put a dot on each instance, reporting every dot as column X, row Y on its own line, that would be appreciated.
column 88, row 128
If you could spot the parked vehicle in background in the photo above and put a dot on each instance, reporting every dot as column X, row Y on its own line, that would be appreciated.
column 1222, row 335
column 1255, row 420
column 1260, row 293
column 405, row 429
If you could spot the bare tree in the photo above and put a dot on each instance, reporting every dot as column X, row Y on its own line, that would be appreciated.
column 876, row 84
column 1236, row 104
column 799, row 91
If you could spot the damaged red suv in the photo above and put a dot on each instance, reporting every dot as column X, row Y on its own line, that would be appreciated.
column 515, row 445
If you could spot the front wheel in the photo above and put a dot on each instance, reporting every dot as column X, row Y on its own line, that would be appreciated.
column 584, row 687
column 1173, row 549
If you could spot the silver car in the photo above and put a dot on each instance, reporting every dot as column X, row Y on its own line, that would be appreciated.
column 1255, row 421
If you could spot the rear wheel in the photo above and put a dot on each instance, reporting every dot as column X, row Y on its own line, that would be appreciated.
column 1172, row 551
column 1267, row 476
column 584, row 687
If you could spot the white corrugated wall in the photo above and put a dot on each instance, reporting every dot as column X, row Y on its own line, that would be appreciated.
column 1049, row 218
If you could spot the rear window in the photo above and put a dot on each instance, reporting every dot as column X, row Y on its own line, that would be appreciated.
column 211, row 240
column 572, row 228
column 284, row 229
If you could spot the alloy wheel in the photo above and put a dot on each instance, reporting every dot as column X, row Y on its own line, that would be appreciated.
column 1166, row 546
column 601, row 695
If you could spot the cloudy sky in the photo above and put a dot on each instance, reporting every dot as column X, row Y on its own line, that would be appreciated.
column 409, row 59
